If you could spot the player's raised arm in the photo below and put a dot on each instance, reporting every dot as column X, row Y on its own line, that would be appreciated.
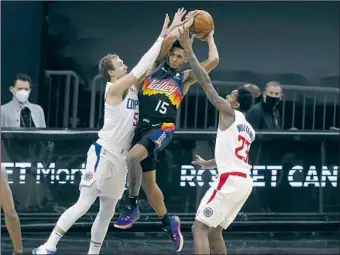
column 121, row 85
column 209, row 64
column 203, row 77
column 173, row 35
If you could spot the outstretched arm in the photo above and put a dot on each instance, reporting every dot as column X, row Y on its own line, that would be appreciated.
column 203, row 77
column 121, row 85
column 208, row 64
column 170, row 39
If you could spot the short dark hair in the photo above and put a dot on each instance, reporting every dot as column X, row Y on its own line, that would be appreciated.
column 177, row 45
column 21, row 77
column 245, row 99
column 105, row 64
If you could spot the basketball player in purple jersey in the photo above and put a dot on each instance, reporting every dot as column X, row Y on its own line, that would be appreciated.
column 159, row 97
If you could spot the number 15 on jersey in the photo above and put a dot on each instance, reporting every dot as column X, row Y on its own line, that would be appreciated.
column 162, row 107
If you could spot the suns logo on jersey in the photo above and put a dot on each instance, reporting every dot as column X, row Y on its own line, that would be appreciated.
column 165, row 87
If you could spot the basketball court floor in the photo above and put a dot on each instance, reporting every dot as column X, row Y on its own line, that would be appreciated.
column 128, row 242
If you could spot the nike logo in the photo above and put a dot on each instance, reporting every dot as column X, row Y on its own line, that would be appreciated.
column 155, row 125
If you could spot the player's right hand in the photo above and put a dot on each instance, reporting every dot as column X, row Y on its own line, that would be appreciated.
column 198, row 161
column 209, row 37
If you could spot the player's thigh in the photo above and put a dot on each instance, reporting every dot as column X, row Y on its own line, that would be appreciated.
column 218, row 205
column 237, row 197
column 232, row 213
column 148, row 166
column 161, row 137
column 147, row 144
column 111, row 175
column 211, row 209
column 6, row 197
column 92, row 162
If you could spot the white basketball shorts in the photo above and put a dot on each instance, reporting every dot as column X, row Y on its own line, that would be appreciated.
column 105, row 169
column 225, row 198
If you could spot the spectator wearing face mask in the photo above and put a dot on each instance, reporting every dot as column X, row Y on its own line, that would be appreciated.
column 20, row 112
column 264, row 115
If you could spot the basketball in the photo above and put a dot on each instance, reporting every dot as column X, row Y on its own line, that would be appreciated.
column 203, row 25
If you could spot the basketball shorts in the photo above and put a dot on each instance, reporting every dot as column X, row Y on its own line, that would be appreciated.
column 154, row 137
column 105, row 169
column 225, row 198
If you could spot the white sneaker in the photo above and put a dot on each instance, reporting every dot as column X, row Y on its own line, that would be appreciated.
column 42, row 250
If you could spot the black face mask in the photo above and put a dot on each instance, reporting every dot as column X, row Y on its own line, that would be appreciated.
column 258, row 99
column 272, row 101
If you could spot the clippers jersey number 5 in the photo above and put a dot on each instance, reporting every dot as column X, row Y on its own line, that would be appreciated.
column 242, row 151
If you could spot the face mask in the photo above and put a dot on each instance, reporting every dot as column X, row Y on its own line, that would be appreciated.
column 22, row 95
column 272, row 101
column 258, row 99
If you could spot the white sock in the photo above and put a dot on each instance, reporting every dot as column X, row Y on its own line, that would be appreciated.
column 95, row 248
column 53, row 240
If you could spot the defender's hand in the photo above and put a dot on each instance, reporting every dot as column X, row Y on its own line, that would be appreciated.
column 178, row 17
column 199, row 161
column 166, row 29
column 185, row 39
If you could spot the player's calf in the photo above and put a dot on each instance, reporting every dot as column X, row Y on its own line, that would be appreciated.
column 216, row 242
column 201, row 241
column 135, row 175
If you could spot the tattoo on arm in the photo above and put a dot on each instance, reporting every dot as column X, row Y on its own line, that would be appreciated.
column 202, row 76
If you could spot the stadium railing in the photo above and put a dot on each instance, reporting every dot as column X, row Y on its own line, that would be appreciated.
column 302, row 107
column 61, row 98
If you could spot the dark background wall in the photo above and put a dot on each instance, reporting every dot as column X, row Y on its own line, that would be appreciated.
column 261, row 37
column 21, row 24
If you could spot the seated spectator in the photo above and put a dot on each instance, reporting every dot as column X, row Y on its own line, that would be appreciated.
column 256, row 92
column 20, row 112
column 264, row 115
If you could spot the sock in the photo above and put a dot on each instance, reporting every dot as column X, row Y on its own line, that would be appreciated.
column 165, row 220
column 53, row 240
column 133, row 201
column 95, row 248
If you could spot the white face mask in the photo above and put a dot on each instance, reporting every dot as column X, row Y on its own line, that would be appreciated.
column 22, row 95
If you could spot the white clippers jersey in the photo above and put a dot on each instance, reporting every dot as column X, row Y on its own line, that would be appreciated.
column 119, row 121
column 233, row 145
